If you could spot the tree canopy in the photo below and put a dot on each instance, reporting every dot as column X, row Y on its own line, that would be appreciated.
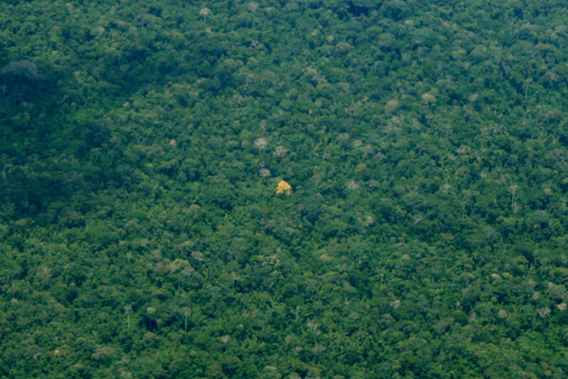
column 422, row 233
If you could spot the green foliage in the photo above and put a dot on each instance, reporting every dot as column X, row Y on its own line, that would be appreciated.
column 142, row 144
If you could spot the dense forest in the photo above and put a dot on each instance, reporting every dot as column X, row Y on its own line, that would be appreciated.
column 425, row 233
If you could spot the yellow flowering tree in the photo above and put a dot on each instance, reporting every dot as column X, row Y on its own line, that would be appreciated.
column 283, row 187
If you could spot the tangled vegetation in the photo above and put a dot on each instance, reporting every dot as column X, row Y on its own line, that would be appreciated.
column 423, row 231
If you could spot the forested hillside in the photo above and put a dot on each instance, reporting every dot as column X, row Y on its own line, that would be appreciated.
column 425, row 235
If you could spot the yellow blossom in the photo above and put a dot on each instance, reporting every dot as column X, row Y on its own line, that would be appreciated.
column 283, row 187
